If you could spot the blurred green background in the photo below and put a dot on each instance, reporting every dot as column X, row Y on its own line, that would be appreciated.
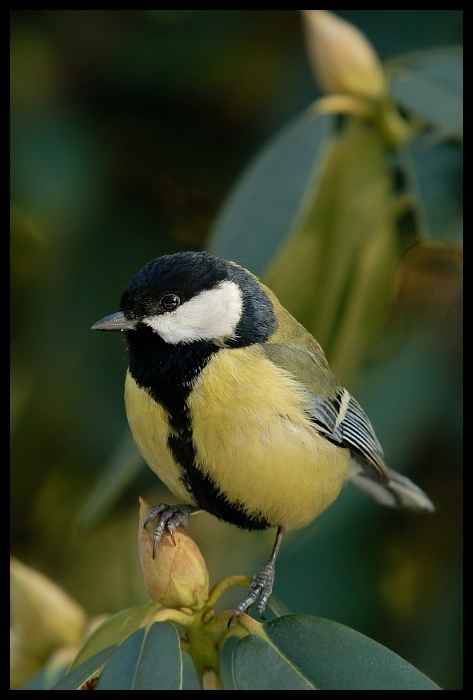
column 128, row 130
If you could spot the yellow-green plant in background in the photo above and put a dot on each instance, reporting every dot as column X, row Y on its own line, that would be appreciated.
column 333, row 261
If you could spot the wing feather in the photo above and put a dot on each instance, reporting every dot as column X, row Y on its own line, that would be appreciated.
column 334, row 412
column 339, row 417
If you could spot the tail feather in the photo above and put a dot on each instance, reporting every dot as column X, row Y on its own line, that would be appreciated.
column 399, row 492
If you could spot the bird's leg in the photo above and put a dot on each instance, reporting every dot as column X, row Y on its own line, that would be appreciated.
column 262, row 584
column 170, row 518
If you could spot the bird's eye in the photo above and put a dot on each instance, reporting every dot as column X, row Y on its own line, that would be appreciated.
column 169, row 302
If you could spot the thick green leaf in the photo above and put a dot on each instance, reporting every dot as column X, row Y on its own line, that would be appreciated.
column 258, row 665
column 150, row 659
column 89, row 669
column 115, row 630
column 309, row 653
column 435, row 173
column 263, row 205
column 430, row 85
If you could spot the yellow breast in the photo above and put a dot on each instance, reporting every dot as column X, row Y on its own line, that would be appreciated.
column 150, row 428
column 253, row 437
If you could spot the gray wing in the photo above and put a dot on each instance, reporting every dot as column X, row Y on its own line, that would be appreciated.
column 367, row 468
column 345, row 422
column 333, row 410
column 340, row 418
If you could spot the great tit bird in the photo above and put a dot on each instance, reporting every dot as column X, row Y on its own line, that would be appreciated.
column 233, row 405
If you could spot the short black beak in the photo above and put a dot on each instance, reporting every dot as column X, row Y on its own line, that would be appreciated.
column 114, row 322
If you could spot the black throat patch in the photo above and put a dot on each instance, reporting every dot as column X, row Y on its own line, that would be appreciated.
column 168, row 373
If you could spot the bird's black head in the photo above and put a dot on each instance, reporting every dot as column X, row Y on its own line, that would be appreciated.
column 193, row 297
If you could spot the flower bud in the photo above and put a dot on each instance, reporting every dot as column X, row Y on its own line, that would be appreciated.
column 342, row 58
column 177, row 577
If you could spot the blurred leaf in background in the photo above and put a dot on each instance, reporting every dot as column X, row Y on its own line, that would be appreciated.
column 128, row 129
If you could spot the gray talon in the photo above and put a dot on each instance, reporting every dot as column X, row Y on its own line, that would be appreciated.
column 170, row 518
column 155, row 510
column 262, row 585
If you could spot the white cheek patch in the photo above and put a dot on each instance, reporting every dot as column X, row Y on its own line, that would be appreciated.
column 214, row 313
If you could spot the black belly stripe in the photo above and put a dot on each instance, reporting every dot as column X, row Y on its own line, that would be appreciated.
column 170, row 384
column 203, row 489
column 209, row 497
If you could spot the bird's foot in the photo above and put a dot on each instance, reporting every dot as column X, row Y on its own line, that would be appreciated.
column 170, row 518
column 261, row 588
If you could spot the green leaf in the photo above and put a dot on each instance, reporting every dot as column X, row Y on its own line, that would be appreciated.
column 115, row 630
column 430, row 85
column 434, row 173
column 309, row 653
column 335, row 272
column 258, row 665
column 150, row 659
column 89, row 669
column 263, row 205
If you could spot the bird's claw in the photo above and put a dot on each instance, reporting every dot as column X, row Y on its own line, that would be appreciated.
column 261, row 588
column 170, row 518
